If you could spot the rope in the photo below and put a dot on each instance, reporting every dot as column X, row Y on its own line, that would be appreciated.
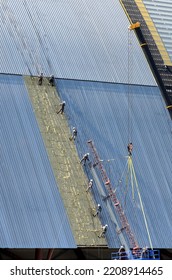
column 129, row 161
column 129, row 77
column 140, row 199
column 131, row 175
column 68, row 113
column 120, row 182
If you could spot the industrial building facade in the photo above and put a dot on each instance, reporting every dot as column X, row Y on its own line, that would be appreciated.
column 117, row 85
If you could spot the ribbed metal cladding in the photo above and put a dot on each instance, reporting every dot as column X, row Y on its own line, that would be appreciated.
column 32, row 214
column 161, row 14
column 85, row 40
column 100, row 112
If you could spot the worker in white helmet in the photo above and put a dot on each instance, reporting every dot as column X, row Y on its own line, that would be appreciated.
column 122, row 253
column 85, row 158
column 74, row 134
column 40, row 79
column 99, row 209
column 62, row 107
column 51, row 80
column 104, row 230
column 90, row 185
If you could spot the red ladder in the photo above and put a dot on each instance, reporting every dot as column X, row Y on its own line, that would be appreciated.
column 116, row 203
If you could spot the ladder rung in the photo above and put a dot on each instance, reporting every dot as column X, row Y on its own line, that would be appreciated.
column 115, row 201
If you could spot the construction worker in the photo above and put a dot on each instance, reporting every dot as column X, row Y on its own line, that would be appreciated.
column 62, row 107
column 122, row 253
column 85, row 158
column 130, row 148
column 90, row 185
column 104, row 229
column 74, row 134
column 136, row 252
column 145, row 253
column 52, row 80
column 99, row 209
column 40, row 79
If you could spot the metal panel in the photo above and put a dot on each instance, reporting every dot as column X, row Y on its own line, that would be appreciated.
column 85, row 40
column 100, row 112
column 160, row 12
column 32, row 214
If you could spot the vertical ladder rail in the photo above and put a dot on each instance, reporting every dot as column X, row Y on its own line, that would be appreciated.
column 116, row 203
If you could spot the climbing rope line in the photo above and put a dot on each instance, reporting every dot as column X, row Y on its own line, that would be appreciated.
column 76, row 122
column 120, row 182
column 68, row 114
column 131, row 176
column 130, row 68
column 134, row 182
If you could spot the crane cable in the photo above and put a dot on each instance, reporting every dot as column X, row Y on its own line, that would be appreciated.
column 131, row 170
column 130, row 66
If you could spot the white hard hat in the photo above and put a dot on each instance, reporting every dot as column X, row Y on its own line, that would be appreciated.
column 98, row 204
column 64, row 102
column 106, row 225
column 91, row 180
column 74, row 128
column 87, row 154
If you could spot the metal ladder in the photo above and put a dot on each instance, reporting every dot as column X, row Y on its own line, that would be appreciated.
column 112, row 195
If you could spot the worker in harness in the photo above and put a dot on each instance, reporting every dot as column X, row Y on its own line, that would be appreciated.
column 90, row 185
column 51, row 80
column 130, row 149
column 122, row 253
column 62, row 107
column 85, row 158
column 145, row 253
column 99, row 209
column 74, row 134
column 104, row 230
column 40, row 79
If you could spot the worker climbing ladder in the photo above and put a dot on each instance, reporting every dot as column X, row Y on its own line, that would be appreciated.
column 124, row 222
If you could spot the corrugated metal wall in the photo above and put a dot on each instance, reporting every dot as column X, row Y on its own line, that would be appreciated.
column 32, row 214
column 100, row 112
column 161, row 14
column 85, row 40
